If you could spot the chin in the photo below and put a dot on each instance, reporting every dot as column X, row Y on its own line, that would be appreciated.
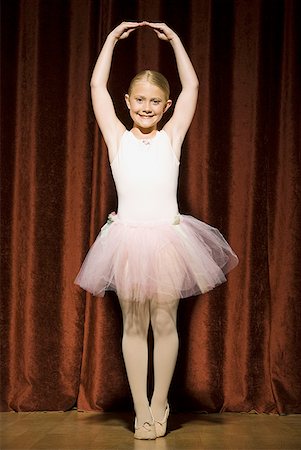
column 147, row 123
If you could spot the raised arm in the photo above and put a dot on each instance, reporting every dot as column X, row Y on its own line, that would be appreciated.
column 104, row 111
column 185, row 105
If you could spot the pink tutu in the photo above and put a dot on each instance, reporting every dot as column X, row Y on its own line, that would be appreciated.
column 156, row 260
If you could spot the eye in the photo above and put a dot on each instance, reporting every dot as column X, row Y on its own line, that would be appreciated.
column 139, row 100
column 156, row 101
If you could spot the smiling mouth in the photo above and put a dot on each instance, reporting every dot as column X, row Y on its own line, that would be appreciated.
column 145, row 117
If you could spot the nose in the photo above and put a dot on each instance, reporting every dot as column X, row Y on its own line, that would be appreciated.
column 147, row 108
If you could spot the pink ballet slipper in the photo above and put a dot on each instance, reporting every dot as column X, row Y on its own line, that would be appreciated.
column 145, row 431
column 161, row 425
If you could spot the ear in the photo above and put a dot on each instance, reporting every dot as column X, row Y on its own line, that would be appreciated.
column 168, row 105
column 127, row 100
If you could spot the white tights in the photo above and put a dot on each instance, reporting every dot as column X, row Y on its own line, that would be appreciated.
column 136, row 320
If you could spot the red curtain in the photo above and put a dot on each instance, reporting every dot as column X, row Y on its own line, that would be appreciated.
column 240, row 172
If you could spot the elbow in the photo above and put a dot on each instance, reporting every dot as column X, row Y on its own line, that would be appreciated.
column 98, row 85
column 93, row 83
column 96, row 82
column 196, row 83
column 194, row 86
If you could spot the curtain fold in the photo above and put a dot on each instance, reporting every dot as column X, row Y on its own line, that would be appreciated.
column 240, row 172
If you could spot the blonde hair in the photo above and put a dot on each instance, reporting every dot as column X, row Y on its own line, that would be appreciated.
column 153, row 77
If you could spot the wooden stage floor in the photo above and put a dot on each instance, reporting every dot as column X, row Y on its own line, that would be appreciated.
column 75, row 430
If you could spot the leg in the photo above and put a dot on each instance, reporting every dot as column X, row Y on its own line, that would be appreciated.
column 166, row 344
column 136, row 319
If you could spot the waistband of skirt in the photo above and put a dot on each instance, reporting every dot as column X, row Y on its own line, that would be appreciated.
column 114, row 218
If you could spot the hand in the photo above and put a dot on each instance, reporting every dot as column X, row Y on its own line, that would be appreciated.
column 162, row 30
column 123, row 30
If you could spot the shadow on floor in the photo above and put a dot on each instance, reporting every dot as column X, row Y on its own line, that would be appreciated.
column 176, row 420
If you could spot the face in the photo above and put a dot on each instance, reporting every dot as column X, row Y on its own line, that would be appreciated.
column 147, row 104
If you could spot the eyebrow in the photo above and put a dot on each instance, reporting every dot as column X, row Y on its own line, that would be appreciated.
column 153, row 98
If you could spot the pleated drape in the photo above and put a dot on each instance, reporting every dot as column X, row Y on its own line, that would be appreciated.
column 240, row 172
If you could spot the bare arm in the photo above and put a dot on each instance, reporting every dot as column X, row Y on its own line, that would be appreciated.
column 185, row 106
column 105, row 114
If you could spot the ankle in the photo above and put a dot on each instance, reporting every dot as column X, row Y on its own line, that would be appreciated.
column 158, row 409
column 143, row 415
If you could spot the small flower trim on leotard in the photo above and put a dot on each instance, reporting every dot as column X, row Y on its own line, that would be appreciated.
column 177, row 219
column 111, row 217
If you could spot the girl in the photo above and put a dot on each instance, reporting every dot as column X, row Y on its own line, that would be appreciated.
column 149, row 253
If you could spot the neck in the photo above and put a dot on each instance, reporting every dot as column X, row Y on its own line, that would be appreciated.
column 144, row 133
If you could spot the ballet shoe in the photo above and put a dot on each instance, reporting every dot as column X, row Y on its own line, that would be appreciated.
column 145, row 431
column 161, row 425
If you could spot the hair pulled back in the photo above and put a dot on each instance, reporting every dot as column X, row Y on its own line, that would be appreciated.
column 153, row 77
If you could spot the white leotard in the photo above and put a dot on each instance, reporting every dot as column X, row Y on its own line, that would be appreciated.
column 146, row 178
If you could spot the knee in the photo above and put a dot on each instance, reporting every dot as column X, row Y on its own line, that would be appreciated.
column 135, row 319
column 163, row 324
column 132, row 328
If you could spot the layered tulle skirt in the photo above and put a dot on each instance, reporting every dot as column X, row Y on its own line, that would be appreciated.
column 160, row 260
